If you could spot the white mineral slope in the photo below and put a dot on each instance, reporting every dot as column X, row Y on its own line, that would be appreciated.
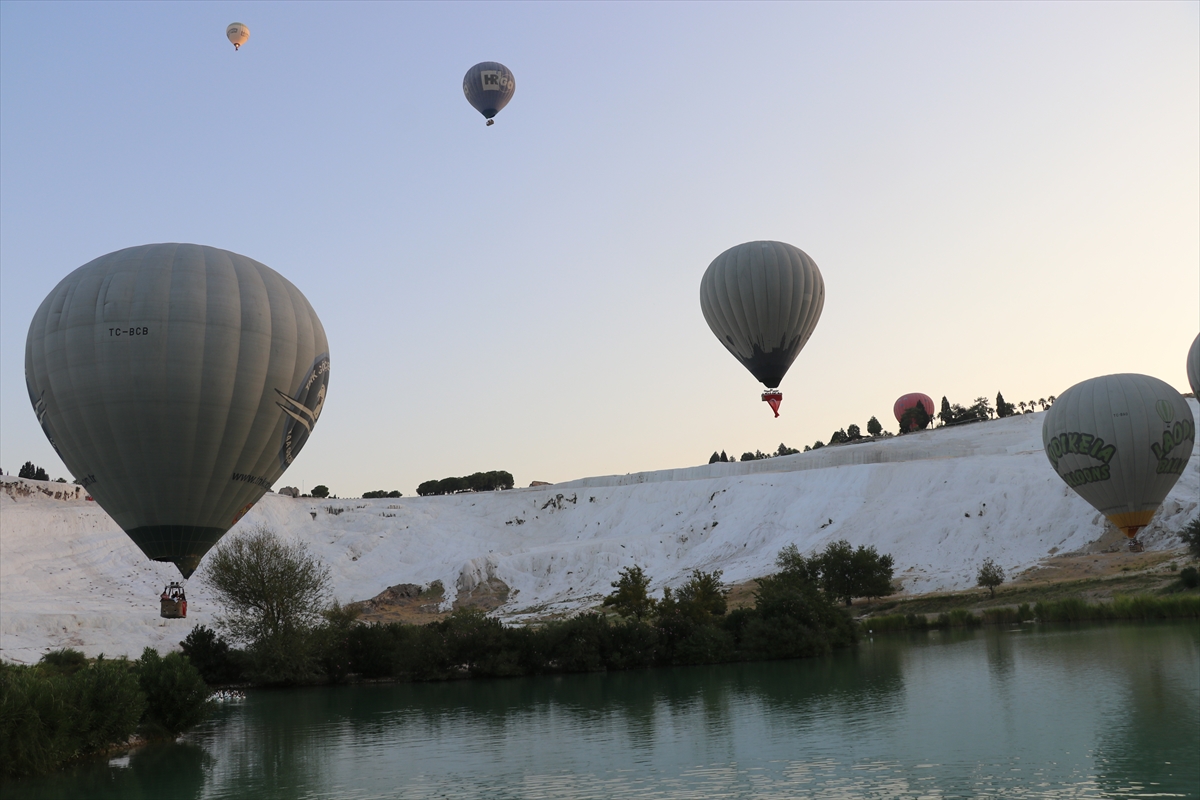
column 939, row 501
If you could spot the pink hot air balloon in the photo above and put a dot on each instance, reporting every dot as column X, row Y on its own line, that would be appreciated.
column 912, row 400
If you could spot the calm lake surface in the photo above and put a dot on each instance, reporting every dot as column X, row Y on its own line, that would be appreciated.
column 1034, row 711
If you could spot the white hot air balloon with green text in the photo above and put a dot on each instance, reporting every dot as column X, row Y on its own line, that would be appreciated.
column 1121, row 442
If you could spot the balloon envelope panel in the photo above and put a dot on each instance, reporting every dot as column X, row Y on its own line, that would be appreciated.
column 763, row 301
column 169, row 378
column 1121, row 442
column 489, row 86
column 1193, row 366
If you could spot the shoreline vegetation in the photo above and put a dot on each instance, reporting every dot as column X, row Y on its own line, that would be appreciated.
column 1069, row 609
column 68, row 707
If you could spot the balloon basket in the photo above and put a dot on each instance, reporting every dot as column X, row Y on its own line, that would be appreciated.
column 773, row 399
column 1136, row 547
column 491, row 122
column 173, row 602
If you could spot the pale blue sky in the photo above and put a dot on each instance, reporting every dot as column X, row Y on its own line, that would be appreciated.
column 999, row 196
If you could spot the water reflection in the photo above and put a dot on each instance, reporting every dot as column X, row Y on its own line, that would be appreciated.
column 149, row 773
column 1156, row 734
column 1022, row 712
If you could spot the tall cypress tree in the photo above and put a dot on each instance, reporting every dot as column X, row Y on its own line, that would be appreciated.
column 1003, row 409
column 946, row 415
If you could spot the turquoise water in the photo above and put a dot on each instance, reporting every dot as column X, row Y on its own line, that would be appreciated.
column 1103, row 711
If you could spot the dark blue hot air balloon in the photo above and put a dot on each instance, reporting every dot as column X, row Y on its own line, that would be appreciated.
column 489, row 86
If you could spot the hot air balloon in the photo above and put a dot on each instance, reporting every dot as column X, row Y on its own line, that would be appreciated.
column 763, row 300
column 177, row 382
column 1193, row 366
column 489, row 86
column 912, row 400
column 1121, row 442
column 238, row 34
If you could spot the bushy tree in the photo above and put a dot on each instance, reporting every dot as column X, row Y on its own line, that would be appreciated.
column 915, row 418
column 176, row 695
column 34, row 473
column 874, row 428
column 380, row 493
column 792, row 561
column 847, row 573
column 714, row 458
column 631, row 594
column 784, row 450
column 476, row 482
column 320, row 490
column 266, row 587
column 702, row 596
column 818, row 444
column 981, row 409
column 839, row 437
column 853, row 432
column 990, row 576
column 792, row 618
column 1191, row 537
column 212, row 656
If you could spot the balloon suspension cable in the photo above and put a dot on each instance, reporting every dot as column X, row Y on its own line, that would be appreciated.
column 773, row 398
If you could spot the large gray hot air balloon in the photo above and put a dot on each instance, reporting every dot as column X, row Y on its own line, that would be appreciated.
column 1121, row 442
column 763, row 300
column 177, row 382
column 1193, row 366
column 489, row 86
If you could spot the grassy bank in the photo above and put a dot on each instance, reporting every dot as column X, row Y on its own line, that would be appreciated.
column 1068, row 609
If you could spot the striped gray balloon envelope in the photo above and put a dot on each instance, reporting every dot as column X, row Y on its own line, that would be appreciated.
column 489, row 85
column 177, row 382
column 1193, row 366
column 763, row 301
column 1121, row 442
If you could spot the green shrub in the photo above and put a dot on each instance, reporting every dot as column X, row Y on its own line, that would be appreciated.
column 1121, row 607
column 107, row 704
column 917, row 621
column 62, row 662
column 962, row 618
column 217, row 662
column 34, row 721
column 1189, row 577
column 48, row 718
column 890, row 622
column 176, row 695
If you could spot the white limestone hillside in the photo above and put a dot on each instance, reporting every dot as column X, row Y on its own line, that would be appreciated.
column 939, row 501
